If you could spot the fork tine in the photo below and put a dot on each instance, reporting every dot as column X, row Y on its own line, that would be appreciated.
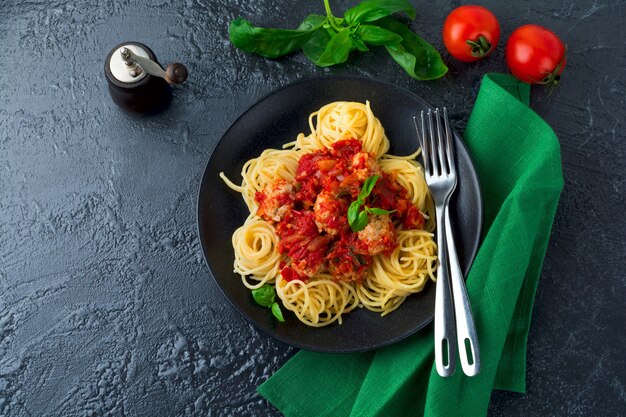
column 417, row 132
column 421, row 137
column 432, row 149
column 449, row 141
column 429, row 153
column 440, row 144
column 420, row 140
column 427, row 156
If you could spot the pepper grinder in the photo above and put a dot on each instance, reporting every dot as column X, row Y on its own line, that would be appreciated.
column 137, row 82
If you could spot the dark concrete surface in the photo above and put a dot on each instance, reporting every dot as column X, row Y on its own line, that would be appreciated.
column 106, row 306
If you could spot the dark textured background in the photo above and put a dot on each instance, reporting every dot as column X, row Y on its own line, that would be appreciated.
column 106, row 306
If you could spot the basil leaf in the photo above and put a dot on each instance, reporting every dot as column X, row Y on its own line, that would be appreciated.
column 353, row 211
column 418, row 58
column 359, row 45
column 264, row 295
column 277, row 312
column 370, row 10
column 368, row 186
column 337, row 49
column 269, row 43
column 361, row 222
column 312, row 21
column 379, row 211
column 316, row 46
column 376, row 35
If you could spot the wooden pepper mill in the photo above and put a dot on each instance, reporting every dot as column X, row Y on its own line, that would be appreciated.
column 137, row 82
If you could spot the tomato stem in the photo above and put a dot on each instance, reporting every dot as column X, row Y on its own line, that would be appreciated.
column 480, row 47
column 554, row 78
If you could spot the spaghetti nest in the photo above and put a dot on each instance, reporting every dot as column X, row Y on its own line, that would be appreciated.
column 298, row 236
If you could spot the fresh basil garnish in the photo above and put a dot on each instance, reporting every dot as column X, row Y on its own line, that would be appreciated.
column 361, row 222
column 379, row 211
column 370, row 10
column 337, row 49
column 418, row 58
column 277, row 312
column 353, row 211
column 357, row 218
column 264, row 295
column 375, row 35
column 368, row 186
column 328, row 40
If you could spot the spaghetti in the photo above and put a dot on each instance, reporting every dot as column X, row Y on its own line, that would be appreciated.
column 297, row 236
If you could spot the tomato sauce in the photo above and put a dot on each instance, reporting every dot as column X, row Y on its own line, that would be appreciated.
column 310, row 214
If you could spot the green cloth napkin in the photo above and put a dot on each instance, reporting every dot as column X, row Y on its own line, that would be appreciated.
column 518, row 160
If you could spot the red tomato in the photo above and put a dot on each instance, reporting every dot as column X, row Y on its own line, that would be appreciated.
column 471, row 33
column 535, row 55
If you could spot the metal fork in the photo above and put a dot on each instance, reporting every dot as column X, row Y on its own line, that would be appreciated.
column 454, row 324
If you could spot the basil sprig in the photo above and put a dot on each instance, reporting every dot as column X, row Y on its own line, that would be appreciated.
column 328, row 40
column 358, row 218
column 265, row 296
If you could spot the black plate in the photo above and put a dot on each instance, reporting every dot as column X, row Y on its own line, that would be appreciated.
column 277, row 119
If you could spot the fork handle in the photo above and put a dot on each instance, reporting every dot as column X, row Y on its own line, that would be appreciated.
column 465, row 329
column 445, row 339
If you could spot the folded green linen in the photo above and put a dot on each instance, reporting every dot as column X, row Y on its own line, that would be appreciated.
column 517, row 156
